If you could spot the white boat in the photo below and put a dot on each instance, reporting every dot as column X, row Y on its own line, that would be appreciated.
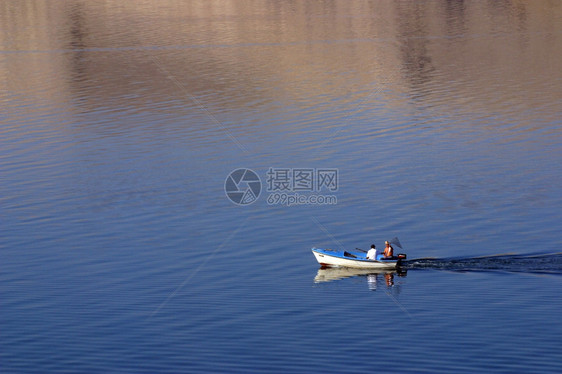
column 357, row 260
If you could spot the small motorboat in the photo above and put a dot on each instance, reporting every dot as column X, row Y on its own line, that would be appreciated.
column 357, row 260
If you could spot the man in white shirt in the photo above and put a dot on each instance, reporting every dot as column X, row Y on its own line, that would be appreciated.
column 372, row 254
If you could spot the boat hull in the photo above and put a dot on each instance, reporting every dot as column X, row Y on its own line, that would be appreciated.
column 332, row 258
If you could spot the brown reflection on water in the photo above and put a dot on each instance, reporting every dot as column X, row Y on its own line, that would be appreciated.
column 413, row 33
column 470, row 56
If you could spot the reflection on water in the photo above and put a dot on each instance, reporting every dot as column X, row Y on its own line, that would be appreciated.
column 476, row 52
column 375, row 278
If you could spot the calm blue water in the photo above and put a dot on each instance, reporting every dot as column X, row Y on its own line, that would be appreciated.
column 120, row 122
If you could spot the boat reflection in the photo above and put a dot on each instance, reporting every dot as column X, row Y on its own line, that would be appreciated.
column 375, row 278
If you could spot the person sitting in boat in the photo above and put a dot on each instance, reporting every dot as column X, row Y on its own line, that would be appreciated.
column 388, row 250
column 372, row 254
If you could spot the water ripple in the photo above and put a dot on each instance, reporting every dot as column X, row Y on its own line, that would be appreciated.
column 520, row 263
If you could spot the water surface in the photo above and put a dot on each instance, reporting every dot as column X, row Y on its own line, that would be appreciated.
column 121, row 121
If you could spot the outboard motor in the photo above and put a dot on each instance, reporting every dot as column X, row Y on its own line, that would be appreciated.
column 401, row 257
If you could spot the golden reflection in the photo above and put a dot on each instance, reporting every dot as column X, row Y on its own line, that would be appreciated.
column 473, row 56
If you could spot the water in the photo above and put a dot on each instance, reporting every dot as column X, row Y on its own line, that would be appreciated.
column 121, row 121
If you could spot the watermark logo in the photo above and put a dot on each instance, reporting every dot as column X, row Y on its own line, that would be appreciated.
column 301, row 179
column 242, row 186
column 285, row 186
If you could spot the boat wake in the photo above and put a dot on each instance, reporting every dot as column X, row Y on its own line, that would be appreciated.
column 545, row 263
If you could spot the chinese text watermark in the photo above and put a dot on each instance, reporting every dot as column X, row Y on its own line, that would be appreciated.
column 285, row 186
